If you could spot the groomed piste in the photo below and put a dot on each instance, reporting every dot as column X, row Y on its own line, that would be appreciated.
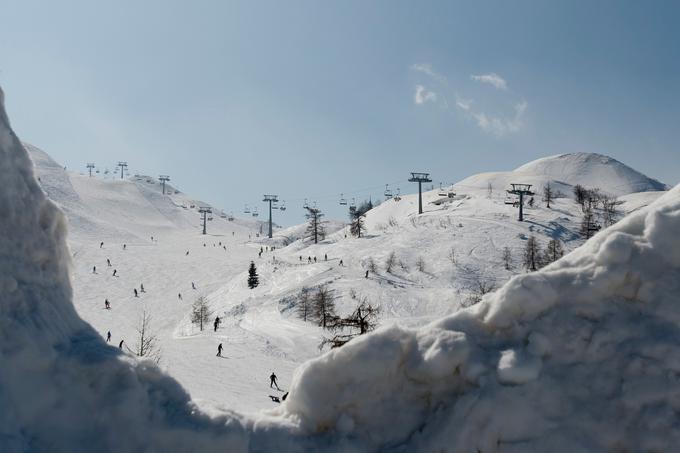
column 582, row 355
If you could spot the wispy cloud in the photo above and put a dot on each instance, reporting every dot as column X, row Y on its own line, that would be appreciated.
column 463, row 104
column 492, row 79
column 501, row 125
column 426, row 68
column 423, row 95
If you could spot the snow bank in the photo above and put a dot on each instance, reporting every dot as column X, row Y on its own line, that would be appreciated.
column 580, row 356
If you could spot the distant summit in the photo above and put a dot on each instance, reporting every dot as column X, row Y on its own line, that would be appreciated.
column 567, row 170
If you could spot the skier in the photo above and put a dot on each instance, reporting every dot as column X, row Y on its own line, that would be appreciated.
column 141, row 287
column 216, row 324
column 272, row 381
column 187, row 253
column 219, row 350
column 366, row 274
column 193, row 285
column 179, row 296
column 120, row 345
column 107, row 304
column 325, row 257
column 135, row 290
column 101, row 244
column 315, row 259
column 300, row 257
column 124, row 246
column 115, row 271
column 94, row 269
column 341, row 264
column 108, row 262
column 259, row 255
column 108, row 336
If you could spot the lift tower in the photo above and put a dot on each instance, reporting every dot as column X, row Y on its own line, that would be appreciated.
column 270, row 199
column 163, row 179
column 521, row 190
column 205, row 211
column 420, row 178
column 122, row 165
column 90, row 166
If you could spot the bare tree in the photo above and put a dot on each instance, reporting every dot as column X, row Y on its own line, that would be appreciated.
column 323, row 306
column 480, row 287
column 420, row 264
column 553, row 251
column 489, row 190
column 507, row 258
column 588, row 224
column 548, row 195
column 200, row 312
column 390, row 262
column 610, row 210
column 364, row 319
column 147, row 342
column 452, row 256
column 580, row 195
column 315, row 228
column 372, row 267
column 357, row 225
column 531, row 254
column 304, row 305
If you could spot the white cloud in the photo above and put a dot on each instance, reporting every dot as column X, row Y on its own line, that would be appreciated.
column 500, row 125
column 463, row 104
column 492, row 79
column 426, row 68
column 423, row 95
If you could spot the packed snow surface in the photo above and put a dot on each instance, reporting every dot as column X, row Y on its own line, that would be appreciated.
column 581, row 355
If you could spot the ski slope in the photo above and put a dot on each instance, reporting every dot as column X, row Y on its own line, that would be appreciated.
column 578, row 356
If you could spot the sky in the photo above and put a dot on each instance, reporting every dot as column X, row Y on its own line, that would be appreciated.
column 309, row 99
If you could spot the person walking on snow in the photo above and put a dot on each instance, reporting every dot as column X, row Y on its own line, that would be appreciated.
column 272, row 381
column 107, row 304
column 219, row 350
column 108, row 336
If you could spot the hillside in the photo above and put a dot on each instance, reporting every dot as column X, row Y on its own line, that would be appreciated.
column 577, row 356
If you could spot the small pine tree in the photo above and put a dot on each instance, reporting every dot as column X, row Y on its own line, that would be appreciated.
column 253, row 279
column 553, row 251
column 200, row 312
column 507, row 258
column 315, row 228
column 531, row 254
column 548, row 195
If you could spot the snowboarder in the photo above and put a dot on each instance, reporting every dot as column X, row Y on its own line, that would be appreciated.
column 136, row 294
column 219, row 350
column 101, row 244
column 193, row 285
column 120, row 345
column 107, row 304
column 115, row 271
column 366, row 274
column 141, row 287
column 179, row 296
column 94, row 269
column 108, row 262
column 272, row 381
column 108, row 336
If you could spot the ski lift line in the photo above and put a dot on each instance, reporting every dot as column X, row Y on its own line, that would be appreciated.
column 334, row 196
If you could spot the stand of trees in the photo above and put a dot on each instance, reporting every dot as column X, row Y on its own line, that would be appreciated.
column 534, row 258
column 594, row 202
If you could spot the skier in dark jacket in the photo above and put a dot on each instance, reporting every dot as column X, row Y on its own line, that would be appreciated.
column 107, row 304
column 136, row 294
column 108, row 336
column 108, row 262
column 94, row 269
column 120, row 345
column 141, row 288
column 115, row 272
column 272, row 381
column 216, row 324
column 193, row 285
column 219, row 350
column 101, row 244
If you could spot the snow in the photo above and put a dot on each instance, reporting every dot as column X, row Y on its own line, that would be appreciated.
column 578, row 356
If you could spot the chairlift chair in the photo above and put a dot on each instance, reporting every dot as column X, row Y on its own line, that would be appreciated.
column 343, row 201
column 255, row 214
column 305, row 204
column 442, row 192
column 283, row 206
column 231, row 217
column 246, row 210
column 353, row 204
column 397, row 197
column 388, row 192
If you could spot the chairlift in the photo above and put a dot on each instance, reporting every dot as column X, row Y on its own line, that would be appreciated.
column 343, row 201
column 397, row 197
column 305, row 204
column 283, row 206
column 442, row 192
column 353, row 204
column 223, row 215
column 511, row 200
column 246, row 210
column 255, row 214
column 388, row 192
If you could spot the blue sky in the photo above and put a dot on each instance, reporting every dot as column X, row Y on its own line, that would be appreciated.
column 308, row 99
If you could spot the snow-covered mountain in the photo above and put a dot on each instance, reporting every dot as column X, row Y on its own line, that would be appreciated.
column 577, row 356
column 564, row 171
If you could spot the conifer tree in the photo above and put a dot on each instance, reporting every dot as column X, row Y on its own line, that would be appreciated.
column 253, row 279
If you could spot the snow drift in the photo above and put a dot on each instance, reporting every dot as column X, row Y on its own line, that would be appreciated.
column 579, row 356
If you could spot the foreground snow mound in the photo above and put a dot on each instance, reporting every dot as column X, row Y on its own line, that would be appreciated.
column 580, row 356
